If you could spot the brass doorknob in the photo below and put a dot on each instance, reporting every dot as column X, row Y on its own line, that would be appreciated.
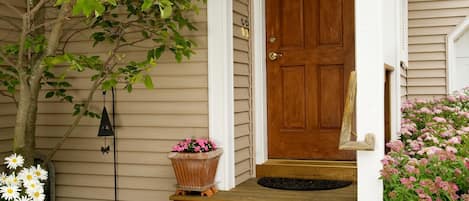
column 275, row 55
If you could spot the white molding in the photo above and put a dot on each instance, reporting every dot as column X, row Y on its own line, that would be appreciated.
column 260, row 85
column 370, row 95
column 220, row 87
column 452, row 37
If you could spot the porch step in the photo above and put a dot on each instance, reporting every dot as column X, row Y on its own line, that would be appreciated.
column 308, row 169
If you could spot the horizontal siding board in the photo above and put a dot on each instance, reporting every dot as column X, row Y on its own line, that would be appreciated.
column 437, row 56
column 130, row 170
column 166, row 95
column 427, row 90
column 130, row 107
column 427, row 39
column 426, row 74
column 139, row 132
column 438, row 5
column 432, row 22
column 427, row 64
column 242, row 142
column 426, row 31
column 439, row 47
column 242, row 130
column 129, row 120
column 456, row 12
column 427, row 82
column 124, row 182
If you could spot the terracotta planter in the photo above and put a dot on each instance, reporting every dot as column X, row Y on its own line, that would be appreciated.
column 195, row 171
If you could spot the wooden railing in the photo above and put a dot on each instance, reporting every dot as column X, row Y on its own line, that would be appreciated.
column 346, row 132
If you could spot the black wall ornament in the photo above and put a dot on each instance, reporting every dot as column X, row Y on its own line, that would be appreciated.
column 108, row 129
column 105, row 127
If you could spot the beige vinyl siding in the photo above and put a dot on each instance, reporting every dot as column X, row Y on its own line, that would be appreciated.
column 242, row 84
column 8, row 34
column 430, row 22
column 149, row 122
column 403, row 78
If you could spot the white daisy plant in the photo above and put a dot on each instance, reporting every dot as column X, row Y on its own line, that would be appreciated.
column 10, row 192
column 28, row 185
column 14, row 161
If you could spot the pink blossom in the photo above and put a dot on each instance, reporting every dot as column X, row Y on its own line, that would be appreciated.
column 439, row 119
column 395, row 145
column 454, row 140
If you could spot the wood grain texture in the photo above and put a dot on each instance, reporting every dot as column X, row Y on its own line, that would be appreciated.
column 429, row 24
column 306, row 86
column 251, row 191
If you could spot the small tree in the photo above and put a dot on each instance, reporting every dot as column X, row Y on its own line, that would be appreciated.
column 37, row 61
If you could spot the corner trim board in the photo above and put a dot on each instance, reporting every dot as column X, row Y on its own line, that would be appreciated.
column 220, row 87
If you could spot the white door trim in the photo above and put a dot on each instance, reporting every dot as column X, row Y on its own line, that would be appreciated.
column 220, row 87
column 451, row 60
column 370, row 91
column 260, row 84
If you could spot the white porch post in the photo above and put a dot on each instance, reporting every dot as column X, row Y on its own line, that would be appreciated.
column 370, row 95
column 220, row 89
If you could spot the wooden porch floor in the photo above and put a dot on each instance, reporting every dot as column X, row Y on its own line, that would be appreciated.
column 251, row 191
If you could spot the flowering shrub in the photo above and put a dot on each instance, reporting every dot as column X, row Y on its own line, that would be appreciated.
column 191, row 145
column 26, row 186
column 431, row 159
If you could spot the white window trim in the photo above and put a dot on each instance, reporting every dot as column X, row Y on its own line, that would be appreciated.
column 220, row 87
column 451, row 54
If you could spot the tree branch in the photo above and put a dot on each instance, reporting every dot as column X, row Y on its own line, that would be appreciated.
column 38, row 6
column 7, row 72
column 51, row 22
column 7, row 60
column 75, row 123
column 9, row 96
column 93, row 89
column 17, row 11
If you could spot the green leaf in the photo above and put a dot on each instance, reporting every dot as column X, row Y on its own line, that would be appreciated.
column 50, row 94
column 166, row 11
column 147, row 4
column 148, row 81
column 88, row 7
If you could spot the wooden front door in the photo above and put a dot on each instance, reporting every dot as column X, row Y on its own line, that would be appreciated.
column 310, row 53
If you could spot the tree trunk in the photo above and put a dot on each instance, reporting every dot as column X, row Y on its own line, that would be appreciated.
column 24, row 139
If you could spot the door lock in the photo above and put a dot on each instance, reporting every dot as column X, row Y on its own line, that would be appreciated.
column 275, row 55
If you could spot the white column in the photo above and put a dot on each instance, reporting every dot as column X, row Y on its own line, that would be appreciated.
column 370, row 95
column 220, row 89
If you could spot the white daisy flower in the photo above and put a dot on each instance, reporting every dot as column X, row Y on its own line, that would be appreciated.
column 37, row 195
column 33, row 187
column 10, row 192
column 27, row 176
column 13, row 180
column 3, row 178
column 39, row 172
column 14, row 161
column 24, row 198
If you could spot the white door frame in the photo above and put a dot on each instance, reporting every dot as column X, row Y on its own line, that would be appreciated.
column 370, row 91
column 451, row 56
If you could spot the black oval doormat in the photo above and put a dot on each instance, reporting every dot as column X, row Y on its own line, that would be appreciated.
column 301, row 184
